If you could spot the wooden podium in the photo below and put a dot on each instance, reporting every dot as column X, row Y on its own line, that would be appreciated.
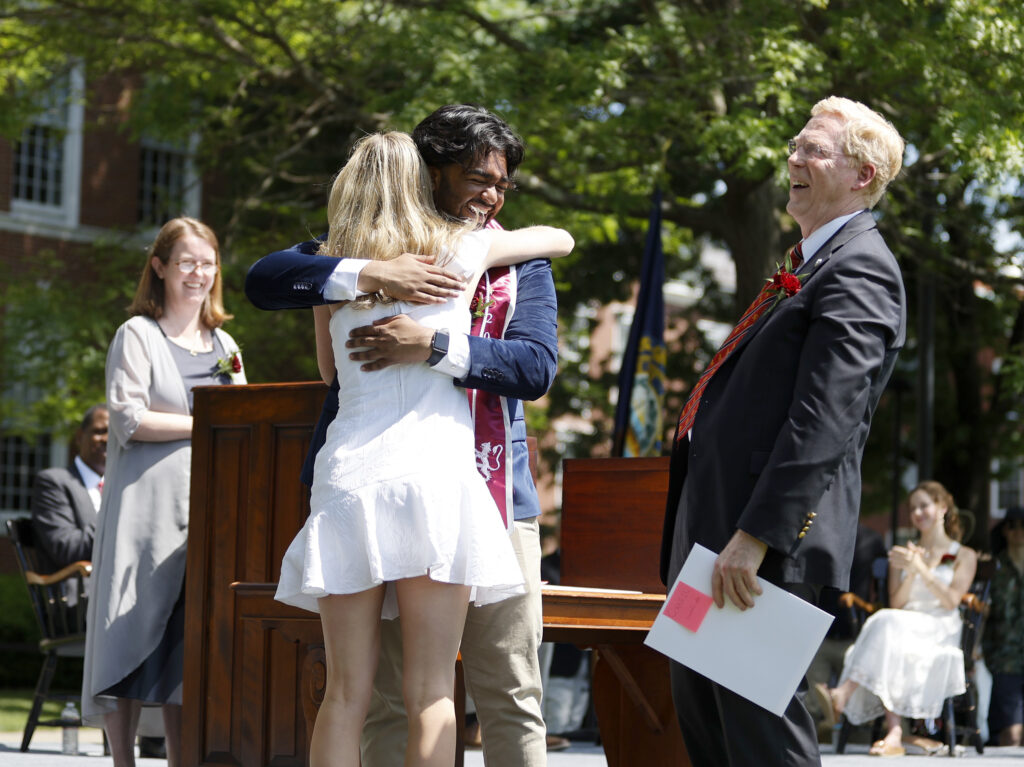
column 255, row 669
column 612, row 512
column 252, row 676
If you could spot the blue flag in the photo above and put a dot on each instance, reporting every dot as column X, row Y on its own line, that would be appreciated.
column 639, row 420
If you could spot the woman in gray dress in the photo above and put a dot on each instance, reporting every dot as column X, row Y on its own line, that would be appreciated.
column 135, row 629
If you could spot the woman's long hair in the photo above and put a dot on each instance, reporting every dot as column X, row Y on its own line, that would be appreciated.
column 381, row 205
column 940, row 495
column 149, row 295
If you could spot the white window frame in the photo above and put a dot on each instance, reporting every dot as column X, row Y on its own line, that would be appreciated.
column 66, row 214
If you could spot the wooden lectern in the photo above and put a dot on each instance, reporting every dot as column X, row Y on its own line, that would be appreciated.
column 612, row 511
column 255, row 669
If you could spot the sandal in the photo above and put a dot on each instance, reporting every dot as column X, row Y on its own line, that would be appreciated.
column 919, row 744
column 827, row 703
column 881, row 748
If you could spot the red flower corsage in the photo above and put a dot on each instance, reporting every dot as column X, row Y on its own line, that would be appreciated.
column 228, row 365
column 947, row 559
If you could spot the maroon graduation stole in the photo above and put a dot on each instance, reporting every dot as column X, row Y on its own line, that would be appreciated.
column 493, row 306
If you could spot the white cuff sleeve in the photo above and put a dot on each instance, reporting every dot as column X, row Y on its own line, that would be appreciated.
column 341, row 285
column 456, row 362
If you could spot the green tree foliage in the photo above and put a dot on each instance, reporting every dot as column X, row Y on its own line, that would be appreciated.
column 612, row 97
column 57, row 322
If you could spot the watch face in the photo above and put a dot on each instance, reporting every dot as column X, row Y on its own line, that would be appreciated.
column 438, row 347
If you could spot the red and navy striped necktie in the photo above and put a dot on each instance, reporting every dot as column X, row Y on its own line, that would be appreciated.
column 765, row 298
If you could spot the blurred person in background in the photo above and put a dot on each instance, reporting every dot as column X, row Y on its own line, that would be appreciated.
column 1003, row 640
column 65, row 501
column 907, row 658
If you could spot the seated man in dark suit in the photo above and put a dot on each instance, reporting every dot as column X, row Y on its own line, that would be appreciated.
column 65, row 502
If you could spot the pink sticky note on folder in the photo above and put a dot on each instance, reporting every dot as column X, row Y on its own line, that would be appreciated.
column 687, row 606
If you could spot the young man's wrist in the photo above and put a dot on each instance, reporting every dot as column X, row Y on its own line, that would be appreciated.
column 456, row 362
column 343, row 284
column 438, row 347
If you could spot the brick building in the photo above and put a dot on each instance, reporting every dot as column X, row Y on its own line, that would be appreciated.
column 76, row 174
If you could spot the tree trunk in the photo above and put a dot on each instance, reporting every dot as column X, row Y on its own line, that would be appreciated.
column 751, row 231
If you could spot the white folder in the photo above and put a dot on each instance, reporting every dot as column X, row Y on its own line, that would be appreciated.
column 761, row 653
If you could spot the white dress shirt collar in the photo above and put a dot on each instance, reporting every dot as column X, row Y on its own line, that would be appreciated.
column 89, row 477
column 813, row 242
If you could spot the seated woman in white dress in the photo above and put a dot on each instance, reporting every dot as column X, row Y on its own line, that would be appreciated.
column 400, row 520
column 907, row 659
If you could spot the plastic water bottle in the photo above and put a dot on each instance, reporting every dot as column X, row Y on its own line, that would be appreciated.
column 69, row 727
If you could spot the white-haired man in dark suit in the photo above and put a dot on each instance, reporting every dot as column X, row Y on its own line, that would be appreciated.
column 766, row 463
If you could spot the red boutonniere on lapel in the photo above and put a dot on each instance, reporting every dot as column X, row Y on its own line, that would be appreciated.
column 784, row 283
column 227, row 366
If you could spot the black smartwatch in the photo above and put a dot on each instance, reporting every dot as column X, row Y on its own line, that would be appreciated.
column 438, row 347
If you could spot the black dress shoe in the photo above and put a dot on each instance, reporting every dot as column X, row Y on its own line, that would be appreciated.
column 152, row 748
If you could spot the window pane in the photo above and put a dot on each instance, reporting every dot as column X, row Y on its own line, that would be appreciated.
column 20, row 461
column 38, row 166
column 161, row 185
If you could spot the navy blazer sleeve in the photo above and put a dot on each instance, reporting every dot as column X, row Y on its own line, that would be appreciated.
column 55, row 522
column 521, row 365
column 290, row 279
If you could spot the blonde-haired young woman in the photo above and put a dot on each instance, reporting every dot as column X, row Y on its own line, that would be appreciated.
column 400, row 520
column 907, row 660
column 135, row 630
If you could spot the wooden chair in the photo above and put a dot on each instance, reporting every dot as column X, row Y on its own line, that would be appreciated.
column 59, row 603
column 859, row 609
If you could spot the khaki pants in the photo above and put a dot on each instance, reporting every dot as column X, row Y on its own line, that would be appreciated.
column 499, row 655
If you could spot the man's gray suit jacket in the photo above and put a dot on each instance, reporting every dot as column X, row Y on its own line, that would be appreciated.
column 63, row 518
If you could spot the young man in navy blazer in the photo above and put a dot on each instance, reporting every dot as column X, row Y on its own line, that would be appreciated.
column 472, row 156
column 766, row 463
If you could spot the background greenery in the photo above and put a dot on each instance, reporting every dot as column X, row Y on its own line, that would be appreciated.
column 14, row 708
column 613, row 98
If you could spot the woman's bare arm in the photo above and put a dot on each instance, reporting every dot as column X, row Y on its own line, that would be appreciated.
column 324, row 349
column 163, row 427
column 517, row 245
